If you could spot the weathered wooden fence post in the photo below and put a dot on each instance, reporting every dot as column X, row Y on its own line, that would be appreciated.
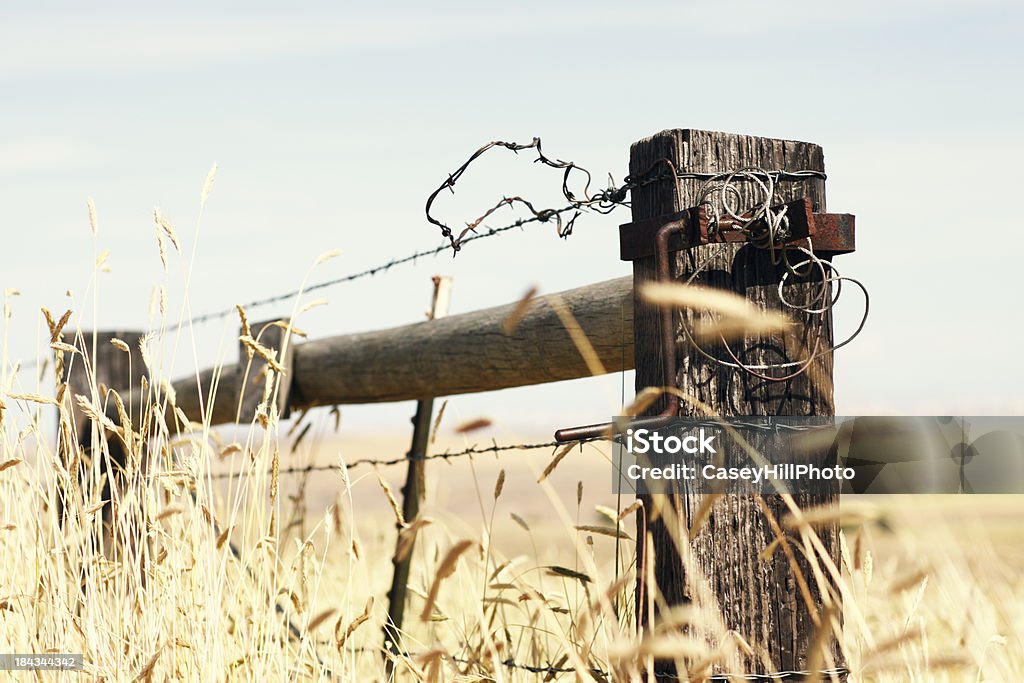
column 412, row 493
column 758, row 597
column 108, row 367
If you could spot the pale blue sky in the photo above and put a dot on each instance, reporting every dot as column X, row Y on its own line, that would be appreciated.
column 331, row 125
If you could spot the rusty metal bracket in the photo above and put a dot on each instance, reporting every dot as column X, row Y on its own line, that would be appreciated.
column 828, row 233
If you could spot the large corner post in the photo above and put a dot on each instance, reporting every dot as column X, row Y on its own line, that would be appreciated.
column 756, row 591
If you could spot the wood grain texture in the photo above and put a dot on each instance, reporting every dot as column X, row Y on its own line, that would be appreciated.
column 466, row 353
column 757, row 598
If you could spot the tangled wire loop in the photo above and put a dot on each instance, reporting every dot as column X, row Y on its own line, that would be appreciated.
column 748, row 201
column 602, row 201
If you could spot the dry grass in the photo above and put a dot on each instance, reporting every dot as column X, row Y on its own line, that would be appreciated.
column 264, row 578
column 943, row 605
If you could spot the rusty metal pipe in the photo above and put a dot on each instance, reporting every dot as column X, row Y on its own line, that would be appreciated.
column 668, row 346
column 668, row 332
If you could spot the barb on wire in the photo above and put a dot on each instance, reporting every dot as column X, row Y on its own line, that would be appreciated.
column 602, row 201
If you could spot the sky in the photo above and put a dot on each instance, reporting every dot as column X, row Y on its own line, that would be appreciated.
column 330, row 124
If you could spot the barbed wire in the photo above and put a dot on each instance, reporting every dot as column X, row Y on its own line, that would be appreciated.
column 389, row 462
column 602, row 201
column 382, row 267
column 553, row 670
column 495, row 448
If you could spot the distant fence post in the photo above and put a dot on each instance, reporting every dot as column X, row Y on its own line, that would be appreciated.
column 412, row 492
column 111, row 368
column 758, row 596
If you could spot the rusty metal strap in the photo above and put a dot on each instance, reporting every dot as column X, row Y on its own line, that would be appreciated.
column 829, row 233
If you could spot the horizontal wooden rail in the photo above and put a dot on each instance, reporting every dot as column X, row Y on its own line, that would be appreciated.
column 460, row 354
